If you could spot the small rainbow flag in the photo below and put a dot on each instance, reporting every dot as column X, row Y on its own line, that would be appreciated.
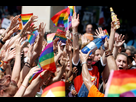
column 60, row 34
column 46, row 59
column 56, row 89
column 50, row 37
column 26, row 17
column 35, row 75
column 105, row 31
column 31, row 38
column 122, row 83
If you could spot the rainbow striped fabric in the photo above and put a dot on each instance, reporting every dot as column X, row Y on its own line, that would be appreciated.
column 31, row 38
column 61, row 35
column 46, row 59
column 122, row 83
column 35, row 75
column 56, row 89
column 63, row 18
column 26, row 17
column 50, row 37
column 105, row 31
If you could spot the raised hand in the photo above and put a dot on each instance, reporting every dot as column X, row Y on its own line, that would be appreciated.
column 68, row 45
column 119, row 41
column 99, row 32
column 14, row 22
column 75, row 21
column 42, row 29
column 27, row 25
column 10, row 54
column 112, row 24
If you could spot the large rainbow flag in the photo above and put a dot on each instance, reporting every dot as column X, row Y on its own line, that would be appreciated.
column 122, row 83
column 63, row 18
column 46, row 59
column 56, row 89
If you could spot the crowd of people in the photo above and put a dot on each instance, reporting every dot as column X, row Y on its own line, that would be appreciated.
column 85, row 75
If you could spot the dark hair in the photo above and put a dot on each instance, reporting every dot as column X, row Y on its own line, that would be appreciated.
column 123, row 53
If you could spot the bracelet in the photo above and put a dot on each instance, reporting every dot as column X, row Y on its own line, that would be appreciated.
column 75, row 34
column 27, row 64
column 83, row 63
column 23, row 85
column 5, row 62
column 108, row 53
column 1, row 63
column 69, row 81
column 41, row 77
column 2, row 42
column 2, row 70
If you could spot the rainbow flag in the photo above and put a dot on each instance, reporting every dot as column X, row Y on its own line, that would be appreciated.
column 60, row 34
column 50, row 37
column 121, row 83
column 56, row 89
column 31, row 38
column 105, row 31
column 63, row 18
column 26, row 17
column 35, row 75
column 72, row 10
column 46, row 59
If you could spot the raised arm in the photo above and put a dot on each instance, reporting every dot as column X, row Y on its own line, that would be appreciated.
column 24, row 85
column 112, row 35
column 17, row 66
column 75, row 23
column 118, row 43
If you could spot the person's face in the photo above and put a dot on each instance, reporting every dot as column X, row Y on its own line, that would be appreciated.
column 11, row 91
column 121, row 62
column 90, row 60
column 25, row 51
column 97, row 55
column 128, row 52
column 89, row 29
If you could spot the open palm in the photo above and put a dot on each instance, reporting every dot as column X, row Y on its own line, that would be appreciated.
column 75, row 20
column 119, row 41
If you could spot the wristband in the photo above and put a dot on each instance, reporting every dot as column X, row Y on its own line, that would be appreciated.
column 2, row 42
column 83, row 63
column 108, row 53
column 24, row 86
column 5, row 62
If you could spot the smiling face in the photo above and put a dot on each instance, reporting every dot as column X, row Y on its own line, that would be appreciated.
column 121, row 61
